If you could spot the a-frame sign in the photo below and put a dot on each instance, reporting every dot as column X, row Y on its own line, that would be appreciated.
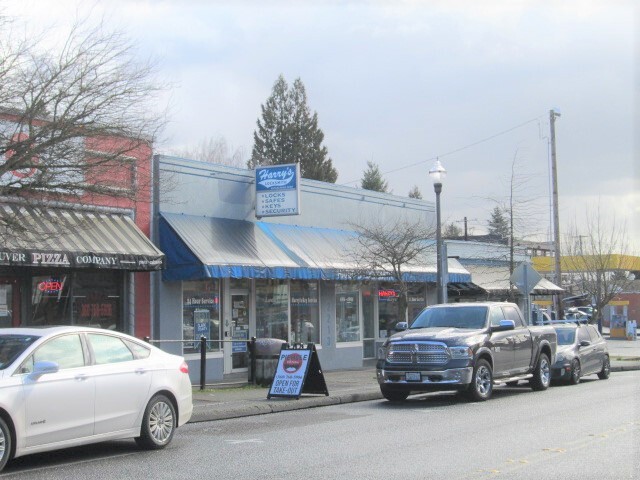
column 298, row 372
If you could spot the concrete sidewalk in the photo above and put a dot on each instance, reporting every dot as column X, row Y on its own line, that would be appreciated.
column 235, row 398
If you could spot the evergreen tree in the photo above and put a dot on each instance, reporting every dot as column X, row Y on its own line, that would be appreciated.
column 288, row 133
column 415, row 193
column 498, row 224
column 451, row 230
column 372, row 179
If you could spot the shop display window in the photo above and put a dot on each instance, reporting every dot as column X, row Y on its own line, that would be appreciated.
column 50, row 296
column 387, row 310
column 416, row 300
column 97, row 300
column 347, row 313
column 305, row 314
column 201, row 314
column 272, row 309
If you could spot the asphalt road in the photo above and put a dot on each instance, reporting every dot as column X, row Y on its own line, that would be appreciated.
column 588, row 431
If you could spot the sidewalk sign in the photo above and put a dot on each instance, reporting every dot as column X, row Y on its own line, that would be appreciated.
column 298, row 372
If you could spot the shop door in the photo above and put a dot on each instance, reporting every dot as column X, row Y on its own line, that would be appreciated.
column 239, row 332
column 9, row 302
column 369, row 325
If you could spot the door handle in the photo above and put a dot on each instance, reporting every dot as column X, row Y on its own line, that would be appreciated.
column 81, row 377
column 140, row 371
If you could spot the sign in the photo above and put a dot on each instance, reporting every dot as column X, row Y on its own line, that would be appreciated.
column 239, row 347
column 277, row 190
column 525, row 278
column 298, row 372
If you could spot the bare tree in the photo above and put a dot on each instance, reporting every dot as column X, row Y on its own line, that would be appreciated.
column 451, row 230
column 74, row 119
column 388, row 251
column 214, row 150
column 595, row 252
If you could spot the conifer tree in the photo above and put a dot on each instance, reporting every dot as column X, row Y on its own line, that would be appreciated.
column 288, row 133
column 415, row 193
column 498, row 224
column 372, row 179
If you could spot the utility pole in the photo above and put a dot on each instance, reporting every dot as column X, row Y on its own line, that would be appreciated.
column 556, row 216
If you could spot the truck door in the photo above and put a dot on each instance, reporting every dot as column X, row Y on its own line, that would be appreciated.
column 501, row 344
column 522, row 342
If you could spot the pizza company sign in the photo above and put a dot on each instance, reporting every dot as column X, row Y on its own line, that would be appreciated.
column 59, row 259
column 289, row 376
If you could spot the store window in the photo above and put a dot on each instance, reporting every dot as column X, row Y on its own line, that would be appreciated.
column 97, row 300
column 272, row 309
column 50, row 296
column 347, row 312
column 388, row 314
column 416, row 300
column 305, row 314
column 201, row 314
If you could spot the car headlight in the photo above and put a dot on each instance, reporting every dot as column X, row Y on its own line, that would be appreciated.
column 461, row 353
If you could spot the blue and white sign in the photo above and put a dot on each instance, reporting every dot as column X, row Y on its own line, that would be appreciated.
column 277, row 190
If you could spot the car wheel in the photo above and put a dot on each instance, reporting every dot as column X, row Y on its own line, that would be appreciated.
column 158, row 424
column 481, row 385
column 542, row 374
column 394, row 395
column 574, row 379
column 606, row 369
column 5, row 443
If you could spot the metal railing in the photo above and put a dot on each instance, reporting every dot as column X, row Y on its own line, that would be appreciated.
column 203, row 344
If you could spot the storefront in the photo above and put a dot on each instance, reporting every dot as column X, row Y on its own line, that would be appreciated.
column 231, row 276
column 71, row 266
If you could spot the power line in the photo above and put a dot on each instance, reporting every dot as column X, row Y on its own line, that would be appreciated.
column 470, row 145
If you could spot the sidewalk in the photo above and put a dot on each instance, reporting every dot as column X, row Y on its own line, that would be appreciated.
column 235, row 398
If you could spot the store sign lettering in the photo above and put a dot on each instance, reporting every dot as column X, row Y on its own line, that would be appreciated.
column 50, row 259
column 50, row 286
column 95, row 260
column 387, row 293
column 276, row 178
column 13, row 257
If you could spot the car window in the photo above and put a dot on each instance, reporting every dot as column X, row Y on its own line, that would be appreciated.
column 495, row 316
column 595, row 335
column 583, row 334
column 566, row 336
column 12, row 346
column 66, row 351
column 511, row 313
column 139, row 351
column 109, row 349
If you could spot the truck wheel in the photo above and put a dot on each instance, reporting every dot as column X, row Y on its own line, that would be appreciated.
column 394, row 395
column 481, row 385
column 574, row 379
column 542, row 374
column 606, row 369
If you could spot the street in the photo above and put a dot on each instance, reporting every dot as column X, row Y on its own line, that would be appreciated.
column 588, row 431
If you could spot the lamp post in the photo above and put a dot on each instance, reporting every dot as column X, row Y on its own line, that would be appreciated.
column 437, row 174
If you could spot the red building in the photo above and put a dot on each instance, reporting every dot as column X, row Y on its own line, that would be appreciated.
column 82, row 257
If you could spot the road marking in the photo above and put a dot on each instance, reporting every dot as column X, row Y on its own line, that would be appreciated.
column 238, row 442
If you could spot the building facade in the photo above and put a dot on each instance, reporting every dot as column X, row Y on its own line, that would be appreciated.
column 231, row 276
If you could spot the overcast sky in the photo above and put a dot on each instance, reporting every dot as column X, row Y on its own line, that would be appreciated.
column 403, row 83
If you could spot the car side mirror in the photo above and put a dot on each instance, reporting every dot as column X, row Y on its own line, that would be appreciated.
column 504, row 326
column 401, row 326
column 585, row 343
column 43, row 368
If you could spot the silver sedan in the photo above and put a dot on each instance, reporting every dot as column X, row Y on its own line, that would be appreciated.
column 67, row 386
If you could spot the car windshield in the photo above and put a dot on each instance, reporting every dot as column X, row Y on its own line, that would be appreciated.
column 566, row 336
column 455, row 317
column 11, row 346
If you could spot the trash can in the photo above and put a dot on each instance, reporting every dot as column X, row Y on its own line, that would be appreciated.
column 266, row 351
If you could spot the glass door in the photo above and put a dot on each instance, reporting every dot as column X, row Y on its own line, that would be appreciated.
column 239, row 330
column 9, row 302
column 369, row 323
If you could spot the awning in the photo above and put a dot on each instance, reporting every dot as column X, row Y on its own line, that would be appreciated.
column 495, row 279
column 52, row 237
column 205, row 247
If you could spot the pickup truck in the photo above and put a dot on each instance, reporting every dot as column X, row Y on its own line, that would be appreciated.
column 468, row 347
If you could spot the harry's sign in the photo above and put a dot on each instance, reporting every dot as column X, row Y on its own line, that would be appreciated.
column 277, row 190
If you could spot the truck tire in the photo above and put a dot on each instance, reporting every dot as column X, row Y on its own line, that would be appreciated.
column 574, row 379
column 394, row 395
column 541, row 374
column 606, row 369
column 481, row 385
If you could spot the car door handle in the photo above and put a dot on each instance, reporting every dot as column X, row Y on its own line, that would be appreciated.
column 81, row 377
column 141, row 371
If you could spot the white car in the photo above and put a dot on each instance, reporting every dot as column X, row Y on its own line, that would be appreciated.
column 67, row 386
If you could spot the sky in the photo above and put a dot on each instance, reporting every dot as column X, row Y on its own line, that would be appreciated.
column 403, row 83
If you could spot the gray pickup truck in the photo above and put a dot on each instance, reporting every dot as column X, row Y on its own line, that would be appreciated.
column 468, row 347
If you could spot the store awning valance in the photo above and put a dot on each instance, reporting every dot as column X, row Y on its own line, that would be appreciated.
column 204, row 247
column 52, row 237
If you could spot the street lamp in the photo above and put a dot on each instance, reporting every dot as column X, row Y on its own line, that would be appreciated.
column 437, row 174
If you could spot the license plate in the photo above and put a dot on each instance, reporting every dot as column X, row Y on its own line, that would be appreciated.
column 412, row 376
